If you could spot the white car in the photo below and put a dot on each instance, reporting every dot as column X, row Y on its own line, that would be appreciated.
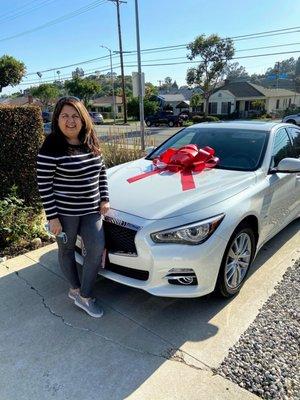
column 292, row 119
column 172, row 240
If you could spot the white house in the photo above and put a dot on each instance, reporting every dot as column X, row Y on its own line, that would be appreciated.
column 245, row 97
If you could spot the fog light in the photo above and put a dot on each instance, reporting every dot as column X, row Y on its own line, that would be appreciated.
column 182, row 276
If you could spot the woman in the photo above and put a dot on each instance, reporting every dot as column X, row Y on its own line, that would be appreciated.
column 73, row 187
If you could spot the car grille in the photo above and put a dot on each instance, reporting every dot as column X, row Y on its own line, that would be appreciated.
column 119, row 239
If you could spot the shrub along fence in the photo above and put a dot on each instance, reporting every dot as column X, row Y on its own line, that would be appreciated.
column 21, row 219
column 21, row 135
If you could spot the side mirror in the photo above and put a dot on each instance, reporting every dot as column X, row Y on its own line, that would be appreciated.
column 289, row 165
column 149, row 150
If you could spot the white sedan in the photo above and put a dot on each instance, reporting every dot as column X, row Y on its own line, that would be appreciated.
column 178, row 230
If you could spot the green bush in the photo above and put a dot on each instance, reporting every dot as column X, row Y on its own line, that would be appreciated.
column 209, row 118
column 21, row 134
column 18, row 223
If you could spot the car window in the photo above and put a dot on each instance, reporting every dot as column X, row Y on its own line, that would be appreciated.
column 282, row 147
column 295, row 134
column 237, row 149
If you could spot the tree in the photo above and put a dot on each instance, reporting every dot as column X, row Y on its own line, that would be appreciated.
column 150, row 90
column 215, row 54
column 78, row 73
column 287, row 66
column 85, row 89
column 46, row 92
column 235, row 71
column 196, row 100
column 150, row 107
column 11, row 71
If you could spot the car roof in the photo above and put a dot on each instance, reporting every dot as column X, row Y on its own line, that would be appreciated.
column 255, row 125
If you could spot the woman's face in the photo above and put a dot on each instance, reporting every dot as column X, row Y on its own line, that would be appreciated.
column 69, row 122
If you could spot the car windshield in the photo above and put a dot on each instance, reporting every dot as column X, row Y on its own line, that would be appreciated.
column 237, row 149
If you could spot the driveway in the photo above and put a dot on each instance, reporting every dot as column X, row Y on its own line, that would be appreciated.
column 144, row 347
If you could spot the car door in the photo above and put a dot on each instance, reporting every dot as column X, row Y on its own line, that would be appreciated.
column 295, row 136
column 282, row 193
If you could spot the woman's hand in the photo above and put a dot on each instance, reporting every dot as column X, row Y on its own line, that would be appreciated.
column 104, row 207
column 55, row 226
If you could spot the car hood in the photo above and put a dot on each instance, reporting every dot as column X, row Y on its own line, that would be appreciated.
column 161, row 196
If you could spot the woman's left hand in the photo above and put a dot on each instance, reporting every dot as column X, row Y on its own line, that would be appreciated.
column 104, row 207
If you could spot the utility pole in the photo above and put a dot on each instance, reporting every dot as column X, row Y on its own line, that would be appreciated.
column 140, row 80
column 118, row 2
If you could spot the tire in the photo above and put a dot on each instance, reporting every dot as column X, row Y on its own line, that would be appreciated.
column 171, row 124
column 148, row 123
column 291, row 121
column 156, row 124
column 228, row 284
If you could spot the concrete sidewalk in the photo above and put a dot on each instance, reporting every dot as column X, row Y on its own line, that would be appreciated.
column 144, row 347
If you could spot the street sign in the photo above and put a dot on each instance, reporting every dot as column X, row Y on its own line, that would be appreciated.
column 135, row 84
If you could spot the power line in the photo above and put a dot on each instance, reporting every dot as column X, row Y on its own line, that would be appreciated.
column 125, row 54
column 166, row 64
column 73, row 14
column 26, row 11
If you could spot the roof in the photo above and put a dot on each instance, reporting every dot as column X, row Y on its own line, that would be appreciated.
column 274, row 92
column 19, row 101
column 106, row 100
column 172, row 97
column 241, row 89
column 248, row 90
column 183, row 104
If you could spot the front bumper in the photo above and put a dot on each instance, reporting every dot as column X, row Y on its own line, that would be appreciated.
column 148, row 269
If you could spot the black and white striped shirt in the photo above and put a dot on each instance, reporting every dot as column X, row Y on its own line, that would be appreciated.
column 72, row 184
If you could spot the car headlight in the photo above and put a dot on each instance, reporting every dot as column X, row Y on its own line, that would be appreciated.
column 192, row 234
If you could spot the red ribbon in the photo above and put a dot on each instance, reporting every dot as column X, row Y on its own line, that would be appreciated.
column 186, row 160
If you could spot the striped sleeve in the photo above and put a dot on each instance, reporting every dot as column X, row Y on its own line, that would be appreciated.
column 46, row 167
column 103, row 186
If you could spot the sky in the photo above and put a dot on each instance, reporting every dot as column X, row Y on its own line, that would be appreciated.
column 162, row 23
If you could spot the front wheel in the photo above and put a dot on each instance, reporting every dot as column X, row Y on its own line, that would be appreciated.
column 148, row 123
column 171, row 124
column 236, row 261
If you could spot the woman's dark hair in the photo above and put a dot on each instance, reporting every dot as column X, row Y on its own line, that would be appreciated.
column 87, row 135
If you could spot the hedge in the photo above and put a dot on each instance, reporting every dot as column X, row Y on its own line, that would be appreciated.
column 209, row 118
column 21, row 135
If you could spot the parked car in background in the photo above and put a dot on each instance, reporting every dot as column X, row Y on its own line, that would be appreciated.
column 163, row 118
column 47, row 116
column 292, row 119
column 96, row 117
column 187, row 233
column 47, row 128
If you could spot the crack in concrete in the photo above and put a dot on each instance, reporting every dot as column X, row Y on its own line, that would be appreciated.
column 171, row 354
column 140, row 325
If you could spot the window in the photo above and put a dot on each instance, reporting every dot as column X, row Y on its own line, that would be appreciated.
column 282, row 147
column 290, row 102
column 277, row 104
column 119, row 109
column 213, row 108
column 237, row 149
column 295, row 134
column 224, row 107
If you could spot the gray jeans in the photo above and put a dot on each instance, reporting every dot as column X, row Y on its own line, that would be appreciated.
column 90, row 229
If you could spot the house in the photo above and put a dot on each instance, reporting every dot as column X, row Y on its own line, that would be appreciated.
column 179, row 101
column 245, row 98
column 105, row 105
column 20, row 101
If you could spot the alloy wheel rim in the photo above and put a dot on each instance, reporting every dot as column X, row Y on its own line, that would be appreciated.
column 238, row 260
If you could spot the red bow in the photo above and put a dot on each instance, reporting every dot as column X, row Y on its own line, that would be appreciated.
column 185, row 160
